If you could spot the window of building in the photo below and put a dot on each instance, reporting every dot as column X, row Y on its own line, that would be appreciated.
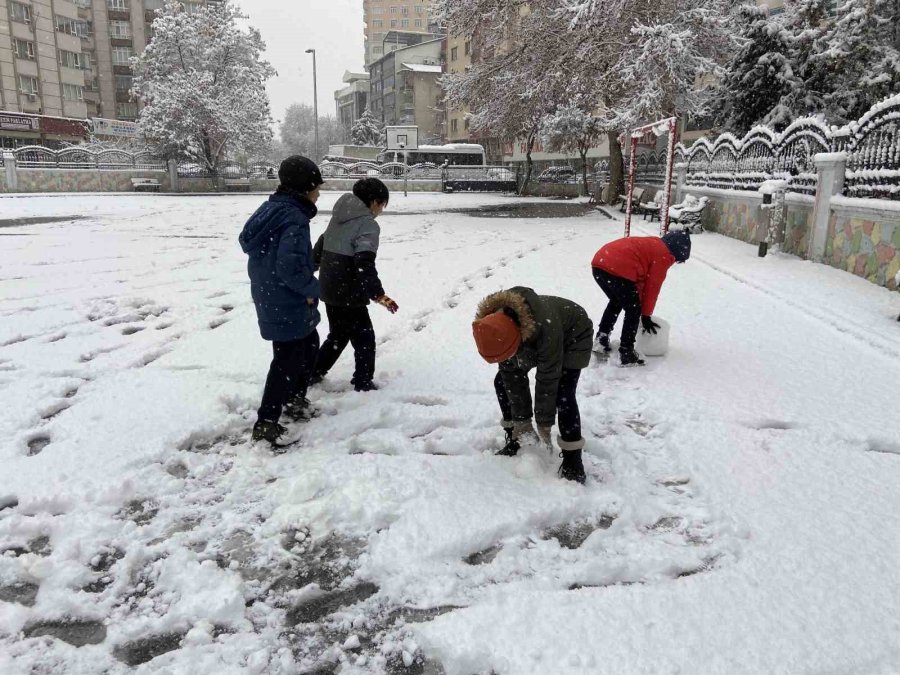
column 24, row 49
column 74, row 60
column 404, row 11
column 76, row 27
column 418, row 23
column 404, row 23
column 83, row 3
column 193, row 7
column 420, row 9
column 394, row 10
column 118, row 5
column 468, row 47
column 28, row 84
column 124, row 82
column 73, row 92
column 20, row 12
column 454, row 125
column 377, row 23
column 466, row 124
column 377, row 50
column 126, row 111
column 121, row 56
column 454, row 53
column 393, row 23
column 378, row 10
column 120, row 29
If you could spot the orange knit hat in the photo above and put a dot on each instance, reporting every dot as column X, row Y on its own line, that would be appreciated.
column 497, row 337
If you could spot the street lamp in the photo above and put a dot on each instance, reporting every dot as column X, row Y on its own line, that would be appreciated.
column 315, row 101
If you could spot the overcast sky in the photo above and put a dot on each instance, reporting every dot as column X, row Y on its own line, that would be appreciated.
column 334, row 28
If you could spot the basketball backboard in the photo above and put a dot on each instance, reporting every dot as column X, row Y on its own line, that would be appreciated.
column 402, row 138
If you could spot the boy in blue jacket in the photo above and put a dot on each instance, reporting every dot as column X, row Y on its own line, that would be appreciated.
column 286, row 294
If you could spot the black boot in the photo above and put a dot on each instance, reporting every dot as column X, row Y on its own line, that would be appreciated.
column 601, row 343
column 272, row 432
column 629, row 357
column 365, row 386
column 572, row 467
column 301, row 410
column 512, row 446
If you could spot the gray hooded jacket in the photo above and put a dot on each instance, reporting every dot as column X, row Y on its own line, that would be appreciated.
column 345, row 255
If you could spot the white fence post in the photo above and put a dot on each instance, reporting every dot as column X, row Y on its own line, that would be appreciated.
column 12, row 174
column 680, row 178
column 831, row 170
column 173, row 175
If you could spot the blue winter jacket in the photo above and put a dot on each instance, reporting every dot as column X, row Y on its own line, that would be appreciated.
column 281, row 267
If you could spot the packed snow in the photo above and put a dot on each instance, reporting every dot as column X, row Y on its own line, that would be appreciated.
column 740, row 516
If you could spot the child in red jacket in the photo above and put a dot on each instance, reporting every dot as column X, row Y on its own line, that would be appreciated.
column 631, row 272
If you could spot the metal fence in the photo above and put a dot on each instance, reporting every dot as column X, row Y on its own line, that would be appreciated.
column 871, row 146
column 39, row 157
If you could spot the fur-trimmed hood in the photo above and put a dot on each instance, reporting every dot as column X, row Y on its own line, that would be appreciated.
column 515, row 305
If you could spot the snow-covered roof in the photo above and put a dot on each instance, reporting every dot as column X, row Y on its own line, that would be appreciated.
column 422, row 68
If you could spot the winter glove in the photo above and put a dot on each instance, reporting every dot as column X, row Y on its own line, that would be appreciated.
column 649, row 325
column 387, row 303
column 546, row 436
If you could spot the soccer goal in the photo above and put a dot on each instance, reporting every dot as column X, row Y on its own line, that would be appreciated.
column 655, row 130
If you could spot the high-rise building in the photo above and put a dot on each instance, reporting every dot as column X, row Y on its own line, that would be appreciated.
column 399, row 16
column 404, row 88
column 72, row 58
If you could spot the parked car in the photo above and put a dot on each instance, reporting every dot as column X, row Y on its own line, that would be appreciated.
column 558, row 174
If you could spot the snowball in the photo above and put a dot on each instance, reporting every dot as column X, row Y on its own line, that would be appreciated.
column 654, row 345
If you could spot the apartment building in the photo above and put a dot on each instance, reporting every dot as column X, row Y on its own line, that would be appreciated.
column 71, row 59
column 400, row 16
column 352, row 100
column 404, row 88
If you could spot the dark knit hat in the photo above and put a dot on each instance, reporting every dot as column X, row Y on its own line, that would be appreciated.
column 679, row 243
column 497, row 337
column 300, row 173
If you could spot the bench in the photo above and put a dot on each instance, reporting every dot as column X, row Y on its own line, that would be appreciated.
column 145, row 185
column 689, row 213
column 237, row 185
column 636, row 198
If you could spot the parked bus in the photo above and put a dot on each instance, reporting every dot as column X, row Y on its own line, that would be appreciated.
column 454, row 154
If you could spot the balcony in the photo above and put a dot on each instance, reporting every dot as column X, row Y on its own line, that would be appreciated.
column 121, row 42
column 119, row 15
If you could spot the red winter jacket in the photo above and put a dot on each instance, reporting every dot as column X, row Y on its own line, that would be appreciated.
column 643, row 260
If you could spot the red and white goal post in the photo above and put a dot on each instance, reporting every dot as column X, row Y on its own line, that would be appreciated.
column 666, row 126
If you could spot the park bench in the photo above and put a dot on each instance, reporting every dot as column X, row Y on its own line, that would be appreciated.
column 689, row 213
column 237, row 185
column 145, row 185
column 637, row 198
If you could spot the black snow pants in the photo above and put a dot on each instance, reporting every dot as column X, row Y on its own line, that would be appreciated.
column 623, row 295
column 568, row 415
column 289, row 374
column 349, row 325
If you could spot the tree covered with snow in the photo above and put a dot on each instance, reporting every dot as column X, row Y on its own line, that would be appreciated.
column 631, row 60
column 298, row 131
column 761, row 75
column 572, row 128
column 812, row 61
column 856, row 60
column 202, row 81
column 366, row 130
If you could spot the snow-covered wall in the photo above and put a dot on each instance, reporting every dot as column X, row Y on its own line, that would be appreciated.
column 863, row 235
column 865, row 242
column 80, row 180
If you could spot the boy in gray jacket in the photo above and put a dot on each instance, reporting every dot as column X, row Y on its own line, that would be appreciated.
column 345, row 257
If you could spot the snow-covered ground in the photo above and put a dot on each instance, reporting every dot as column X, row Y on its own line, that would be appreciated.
column 741, row 514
